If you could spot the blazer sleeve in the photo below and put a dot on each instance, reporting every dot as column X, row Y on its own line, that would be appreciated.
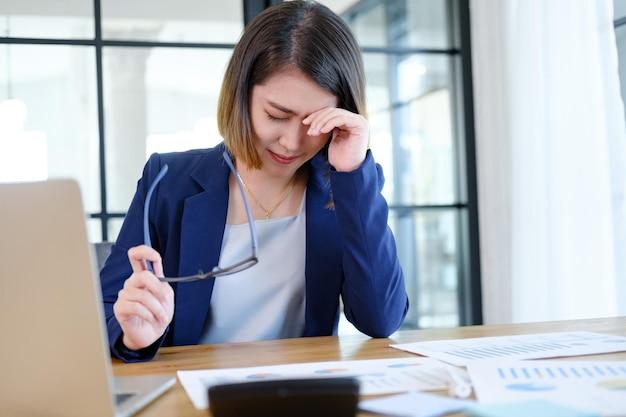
column 373, row 292
column 117, row 268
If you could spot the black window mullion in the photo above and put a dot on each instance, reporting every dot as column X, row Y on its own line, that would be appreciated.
column 104, row 217
column 470, row 290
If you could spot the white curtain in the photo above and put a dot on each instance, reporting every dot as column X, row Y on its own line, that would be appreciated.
column 551, row 157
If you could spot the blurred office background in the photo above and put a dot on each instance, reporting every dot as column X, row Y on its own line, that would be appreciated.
column 90, row 88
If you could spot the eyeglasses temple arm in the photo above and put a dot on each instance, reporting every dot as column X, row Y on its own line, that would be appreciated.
column 146, row 210
column 245, row 202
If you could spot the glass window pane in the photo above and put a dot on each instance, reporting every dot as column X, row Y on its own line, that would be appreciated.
column 428, row 250
column 427, row 24
column 156, row 100
column 620, row 43
column 619, row 9
column 410, row 108
column 94, row 230
column 115, row 225
column 339, row 6
column 402, row 23
column 205, row 21
column 69, row 19
column 368, row 23
column 55, row 131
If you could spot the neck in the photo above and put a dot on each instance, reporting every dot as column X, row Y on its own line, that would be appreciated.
column 262, row 183
column 270, row 197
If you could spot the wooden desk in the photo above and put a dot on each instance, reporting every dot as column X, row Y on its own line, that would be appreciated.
column 234, row 355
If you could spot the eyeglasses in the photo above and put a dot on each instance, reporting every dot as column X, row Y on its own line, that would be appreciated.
column 217, row 271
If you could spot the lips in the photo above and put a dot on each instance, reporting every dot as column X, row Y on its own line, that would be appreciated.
column 281, row 159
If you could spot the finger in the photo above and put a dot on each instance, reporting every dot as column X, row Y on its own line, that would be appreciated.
column 139, row 325
column 157, row 268
column 127, row 310
column 140, row 302
column 138, row 256
column 344, row 121
column 146, row 281
column 316, row 119
column 325, row 121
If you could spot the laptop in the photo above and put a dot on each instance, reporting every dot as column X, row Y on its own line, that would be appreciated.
column 54, row 354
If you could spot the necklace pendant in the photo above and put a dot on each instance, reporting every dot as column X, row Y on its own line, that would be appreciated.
column 266, row 211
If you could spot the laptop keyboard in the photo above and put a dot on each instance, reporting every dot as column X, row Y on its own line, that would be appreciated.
column 121, row 397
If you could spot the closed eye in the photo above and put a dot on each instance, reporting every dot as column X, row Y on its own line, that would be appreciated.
column 280, row 119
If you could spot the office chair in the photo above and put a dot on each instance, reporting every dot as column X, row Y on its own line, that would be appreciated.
column 102, row 251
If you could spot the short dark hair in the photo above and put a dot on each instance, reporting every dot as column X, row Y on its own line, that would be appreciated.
column 299, row 34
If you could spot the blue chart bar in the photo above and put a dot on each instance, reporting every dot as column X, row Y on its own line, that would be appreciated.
column 504, row 351
column 560, row 372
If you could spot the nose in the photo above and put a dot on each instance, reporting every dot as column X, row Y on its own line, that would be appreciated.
column 292, row 135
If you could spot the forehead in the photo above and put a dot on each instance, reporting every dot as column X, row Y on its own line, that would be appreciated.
column 295, row 92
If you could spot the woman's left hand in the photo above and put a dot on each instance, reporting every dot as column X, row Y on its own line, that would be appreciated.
column 350, row 136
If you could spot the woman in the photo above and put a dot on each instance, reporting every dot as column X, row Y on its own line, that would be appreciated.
column 291, row 112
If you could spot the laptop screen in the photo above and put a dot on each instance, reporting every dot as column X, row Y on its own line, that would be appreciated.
column 54, row 356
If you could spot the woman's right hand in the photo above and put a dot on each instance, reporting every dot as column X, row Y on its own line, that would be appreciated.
column 145, row 306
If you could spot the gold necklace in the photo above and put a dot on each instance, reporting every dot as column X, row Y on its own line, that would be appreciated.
column 267, row 212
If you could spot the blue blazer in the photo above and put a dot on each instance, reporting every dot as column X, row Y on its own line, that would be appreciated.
column 350, row 250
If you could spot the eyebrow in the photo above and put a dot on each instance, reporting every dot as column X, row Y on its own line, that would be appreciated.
column 281, row 108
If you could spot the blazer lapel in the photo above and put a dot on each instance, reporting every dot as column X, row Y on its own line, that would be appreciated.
column 202, row 230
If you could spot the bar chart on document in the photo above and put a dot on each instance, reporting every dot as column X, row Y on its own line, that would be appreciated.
column 461, row 352
column 598, row 386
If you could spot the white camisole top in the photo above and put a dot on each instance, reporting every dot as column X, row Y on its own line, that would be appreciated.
column 267, row 300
